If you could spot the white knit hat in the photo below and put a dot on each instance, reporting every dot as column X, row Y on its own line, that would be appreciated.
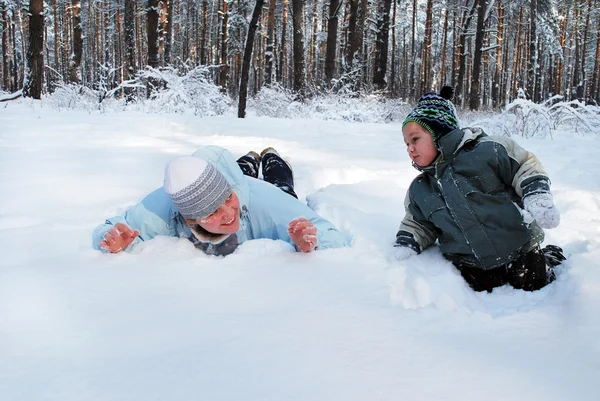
column 195, row 186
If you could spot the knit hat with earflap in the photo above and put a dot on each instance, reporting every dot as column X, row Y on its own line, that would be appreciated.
column 195, row 186
column 435, row 113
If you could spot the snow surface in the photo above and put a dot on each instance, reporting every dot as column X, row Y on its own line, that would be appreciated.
column 266, row 323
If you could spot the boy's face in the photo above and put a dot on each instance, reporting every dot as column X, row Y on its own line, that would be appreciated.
column 225, row 220
column 419, row 144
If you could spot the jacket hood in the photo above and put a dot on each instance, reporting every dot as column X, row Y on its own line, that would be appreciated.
column 452, row 143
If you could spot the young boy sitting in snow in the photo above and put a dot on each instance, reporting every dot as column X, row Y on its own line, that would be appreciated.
column 218, row 203
column 483, row 198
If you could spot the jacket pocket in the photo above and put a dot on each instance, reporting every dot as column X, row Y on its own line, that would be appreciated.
column 432, row 204
column 486, row 184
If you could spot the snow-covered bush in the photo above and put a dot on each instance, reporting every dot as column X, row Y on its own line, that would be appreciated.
column 525, row 118
column 73, row 96
column 278, row 102
column 172, row 92
column 179, row 93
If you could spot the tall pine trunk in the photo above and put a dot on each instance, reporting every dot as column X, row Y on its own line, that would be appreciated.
column 381, row 45
column 129, row 28
column 332, row 28
column 152, row 31
column 462, row 62
column 247, row 57
column 224, row 68
column 497, row 81
column 426, row 74
column 475, row 97
column 75, row 76
column 35, row 55
column 298, row 35
column 270, row 49
column 5, row 52
column 168, row 26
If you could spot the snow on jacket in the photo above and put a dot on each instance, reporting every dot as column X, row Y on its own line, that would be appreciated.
column 265, row 210
column 470, row 200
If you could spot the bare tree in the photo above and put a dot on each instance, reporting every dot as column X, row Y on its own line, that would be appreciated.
column 298, row 35
column 129, row 28
column 270, row 50
column 247, row 57
column 475, row 97
column 152, row 27
column 77, row 42
column 5, row 44
column 381, row 45
column 533, row 56
column 462, row 54
column 35, row 55
column 332, row 28
column 427, row 48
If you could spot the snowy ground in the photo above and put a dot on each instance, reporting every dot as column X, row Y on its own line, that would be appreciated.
column 266, row 323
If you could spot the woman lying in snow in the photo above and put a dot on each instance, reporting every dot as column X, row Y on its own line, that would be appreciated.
column 219, row 203
column 483, row 198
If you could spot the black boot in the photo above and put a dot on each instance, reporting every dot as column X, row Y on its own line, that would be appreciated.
column 554, row 255
column 528, row 272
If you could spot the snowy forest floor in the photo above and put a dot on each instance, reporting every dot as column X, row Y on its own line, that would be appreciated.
column 266, row 323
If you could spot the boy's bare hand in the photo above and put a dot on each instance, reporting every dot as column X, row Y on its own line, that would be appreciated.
column 118, row 238
column 303, row 233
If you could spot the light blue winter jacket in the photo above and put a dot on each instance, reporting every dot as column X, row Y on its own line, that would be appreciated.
column 266, row 212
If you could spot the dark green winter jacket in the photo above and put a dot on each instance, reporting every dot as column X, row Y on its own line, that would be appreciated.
column 470, row 200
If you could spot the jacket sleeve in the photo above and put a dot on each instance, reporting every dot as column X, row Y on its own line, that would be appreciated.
column 272, row 210
column 415, row 231
column 519, row 168
column 154, row 215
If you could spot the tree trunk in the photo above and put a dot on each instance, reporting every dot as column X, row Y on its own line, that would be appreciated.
column 35, row 55
column 444, row 48
column 412, row 84
column 224, row 68
column 168, row 26
column 56, row 36
column 531, row 67
column 583, row 91
column 204, row 30
column 129, row 28
column 152, row 27
column 247, row 57
column 497, row 81
column 75, row 76
column 332, row 28
column 282, row 49
column 381, row 45
column 595, row 91
column 475, row 97
column 427, row 48
column 270, row 50
column 393, row 62
column 462, row 57
column 299, row 63
column 455, row 50
column 312, row 62
column 5, row 52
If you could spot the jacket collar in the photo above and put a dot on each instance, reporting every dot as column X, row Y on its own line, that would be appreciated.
column 450, row 144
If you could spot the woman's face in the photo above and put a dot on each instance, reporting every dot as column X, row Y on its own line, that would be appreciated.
column 224, row 220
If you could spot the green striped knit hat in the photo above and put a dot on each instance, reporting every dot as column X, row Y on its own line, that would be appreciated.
column 435, row 113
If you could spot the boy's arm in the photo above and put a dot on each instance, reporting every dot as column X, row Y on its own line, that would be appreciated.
column 524, row 172
column 520, row 169
column 415, row 232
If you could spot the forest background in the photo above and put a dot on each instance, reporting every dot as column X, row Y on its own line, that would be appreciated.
column 491, row 51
